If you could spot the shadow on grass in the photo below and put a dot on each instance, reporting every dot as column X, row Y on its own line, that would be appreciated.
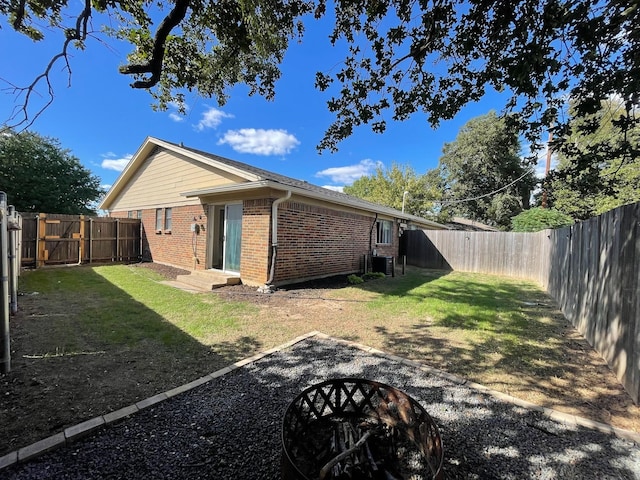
column 82, row 347
column 231, row 428
column 506, row 334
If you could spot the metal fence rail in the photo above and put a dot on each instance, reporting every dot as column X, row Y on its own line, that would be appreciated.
column 10, row 230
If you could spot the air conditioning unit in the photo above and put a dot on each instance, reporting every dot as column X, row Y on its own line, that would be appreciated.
column 382, row 264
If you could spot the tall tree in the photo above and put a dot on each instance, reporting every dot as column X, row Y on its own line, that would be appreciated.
column 485, row 177
column 431, row 56
column 38, row 175
column 592, row 177
column 388, row 187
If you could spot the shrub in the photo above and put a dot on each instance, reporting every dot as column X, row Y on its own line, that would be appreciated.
column 536, row 219
column 354, row 279
column 372, row 275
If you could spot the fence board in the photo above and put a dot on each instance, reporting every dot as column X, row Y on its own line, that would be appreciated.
column 50, row 239
column 592, row 270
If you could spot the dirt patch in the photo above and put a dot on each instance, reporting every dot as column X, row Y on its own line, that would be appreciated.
column 49, row 390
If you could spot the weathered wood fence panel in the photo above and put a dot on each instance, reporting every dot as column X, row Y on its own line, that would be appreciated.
column 29, row 240
column 56, row 239
column 592, row 270
column 513, row 254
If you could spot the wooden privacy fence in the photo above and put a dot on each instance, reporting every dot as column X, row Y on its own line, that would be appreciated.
column 592, row 269
column 55, row 239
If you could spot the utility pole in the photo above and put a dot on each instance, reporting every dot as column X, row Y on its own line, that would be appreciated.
column 546, row 170
column 404, row 196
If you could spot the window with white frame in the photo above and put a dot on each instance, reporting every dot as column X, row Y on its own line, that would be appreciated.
column 167, row 219
column 383, row 231
column 158, row 219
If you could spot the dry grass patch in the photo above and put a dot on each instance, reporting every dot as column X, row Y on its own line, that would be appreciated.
column 91, row 340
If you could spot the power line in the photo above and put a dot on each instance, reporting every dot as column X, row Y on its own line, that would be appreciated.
column 451, row 202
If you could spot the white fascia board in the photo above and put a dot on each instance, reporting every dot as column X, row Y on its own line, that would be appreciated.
column 241, row 187
column 143, row 150
column 235, row 187
column 147, row 147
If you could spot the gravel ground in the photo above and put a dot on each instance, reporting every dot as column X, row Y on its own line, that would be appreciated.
column 230, row 428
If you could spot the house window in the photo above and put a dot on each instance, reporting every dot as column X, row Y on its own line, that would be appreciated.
column 140, row 214
column 167, row 219
column 383, row 231
column 158, row 219
column 130, row 214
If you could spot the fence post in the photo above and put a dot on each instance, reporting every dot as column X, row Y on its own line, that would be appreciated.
column 117, row 239
column 41, row 256
column 90, row 239
column 5, row 343
column 81, row 239
column 13, row 227
column 36, row 252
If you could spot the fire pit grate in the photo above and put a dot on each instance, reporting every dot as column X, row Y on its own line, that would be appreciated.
column 352, row 428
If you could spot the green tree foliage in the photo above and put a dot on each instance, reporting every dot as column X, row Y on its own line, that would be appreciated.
column 38, row 175
column 485, row 178
column 592, row 177
column 387, row 187
column 432, row 56
column 536, row 219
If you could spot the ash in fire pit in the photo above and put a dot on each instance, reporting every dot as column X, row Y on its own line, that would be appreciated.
column 353, row 428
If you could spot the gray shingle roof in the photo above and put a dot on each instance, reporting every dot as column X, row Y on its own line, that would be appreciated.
column 288, row 181
column 337, row 197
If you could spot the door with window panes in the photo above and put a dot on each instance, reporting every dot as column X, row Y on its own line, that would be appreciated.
column 232, row 237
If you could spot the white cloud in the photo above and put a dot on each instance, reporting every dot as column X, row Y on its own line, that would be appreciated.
column 335, row 188
column 176, row 117
column 259, row 141
column 178, row 107
column 541, row 159
column 350, row 173
column 105, row 186
column 211, row 119
column 116, row 164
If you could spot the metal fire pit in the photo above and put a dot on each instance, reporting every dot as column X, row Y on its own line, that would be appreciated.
column 356, row 428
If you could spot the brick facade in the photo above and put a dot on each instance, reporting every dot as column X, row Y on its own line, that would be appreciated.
column 256, row 241
column 180, row 246
column 313, row 241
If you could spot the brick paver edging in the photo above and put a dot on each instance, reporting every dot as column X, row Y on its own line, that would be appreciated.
column 80, row 430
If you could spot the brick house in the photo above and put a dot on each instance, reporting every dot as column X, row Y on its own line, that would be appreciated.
column 200, row 211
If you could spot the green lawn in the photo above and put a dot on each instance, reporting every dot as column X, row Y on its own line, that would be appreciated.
column 89, row 340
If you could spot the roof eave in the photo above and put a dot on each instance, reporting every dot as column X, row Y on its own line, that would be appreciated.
column 145, row 150
column 243, row 187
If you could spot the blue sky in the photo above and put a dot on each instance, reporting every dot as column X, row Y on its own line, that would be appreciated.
column 103, row 121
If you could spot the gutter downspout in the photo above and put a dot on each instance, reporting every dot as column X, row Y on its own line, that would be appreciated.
column 375, row 220
column 274, row 234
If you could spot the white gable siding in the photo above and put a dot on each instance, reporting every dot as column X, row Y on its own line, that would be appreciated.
column 159, row 181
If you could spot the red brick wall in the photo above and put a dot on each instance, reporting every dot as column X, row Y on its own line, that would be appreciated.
column 315, row 242
column 256, row 229
column 178, row 246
